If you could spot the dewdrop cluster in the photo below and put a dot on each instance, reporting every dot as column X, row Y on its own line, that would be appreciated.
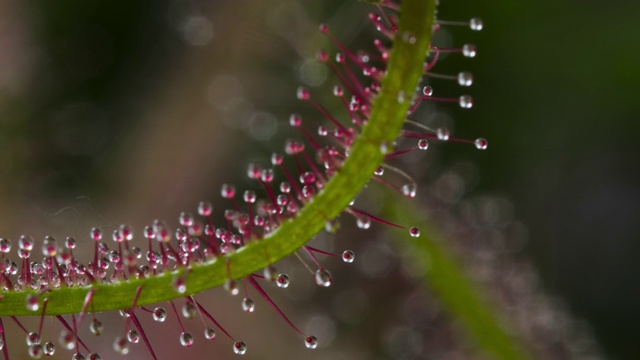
column 296, row 175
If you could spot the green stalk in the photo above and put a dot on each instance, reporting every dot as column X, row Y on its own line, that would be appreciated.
column 459, row 295
column 387, row 116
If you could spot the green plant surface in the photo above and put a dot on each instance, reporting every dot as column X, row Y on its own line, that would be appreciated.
column 462, row 298
column 387, row 116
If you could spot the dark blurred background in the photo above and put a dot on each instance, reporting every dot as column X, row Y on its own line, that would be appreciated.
column 125, row 112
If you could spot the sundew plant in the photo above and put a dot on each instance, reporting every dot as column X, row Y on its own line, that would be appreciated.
column 147, row 289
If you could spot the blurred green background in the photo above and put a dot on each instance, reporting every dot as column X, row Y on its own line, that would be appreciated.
column 125, row 112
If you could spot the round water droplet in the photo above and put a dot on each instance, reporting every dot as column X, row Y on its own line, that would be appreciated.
column 186, row 219
column 384, row 148
column 95, row 356
column 363, row 222
column 133, row 336
column 96, row 234
column 476, row 24
column 423, row 144
column 121, row 345
column 311, row 342
column 379, row 171
column 5, row 245
column 228, row 191
column 469, row 50
column 322, row 56
column 414, row 232
column 240, row 347
column 33, row 338
column 159, row 314
column 77, row 356
column 248, row 305
column 443, row 134
column 179, row 285
column 188, row 310
column 348, row 256
column 231, row 287
column 67, row 340
column 465, row 78
column 96, row 327
column 466, row 102
column 32, row 302
column 332, row 226
column 186, row 339
column 481, row 143
column 282, row 280
column 267, row 175
column 70, row 243
column 35, row 351
column 295, row 120
column 209, row 334
column 205, row 208
column 49, row 348
column 49, row 246
column 323, row 278
column 427, row 91
column 409, row 190
column 302, row 93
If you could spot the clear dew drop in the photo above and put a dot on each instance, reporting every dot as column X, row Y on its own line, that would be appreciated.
column 186, row 339
column 414, row 232
column 465, row 102
column 469, row 50
column 121, row 345
column 348, row 256
column 209, row 334
column 283, row 281
column 67, row 340
column 465, row 78
column 240, row 347
column 49, row 348
column 95, row 356
column 32, row 303
column 35, row 351
column 5, row 245
column 179, row 285
column 96, row 327
column 270, row 273
column 363, row 222
column 476, row 24
column 205, row 208
column 96, row 234
column 409, row 190
column 159, row 314
column 323, row 278
column 311, row 342
column 133, row 336
column 427, row 91
column 248, row 305
column 423, row 144
column 443, row 134
column 77, row 356
column 231, row 287
column 188, row 310
column 384, row 148
column 481, row 143
column 379, row 171
column 33, row 338
column 332, row 226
